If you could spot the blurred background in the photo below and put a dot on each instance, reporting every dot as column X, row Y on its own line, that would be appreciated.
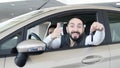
column 13, row 8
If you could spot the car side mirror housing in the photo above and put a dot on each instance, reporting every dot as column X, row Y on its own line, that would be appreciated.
column 26, row 48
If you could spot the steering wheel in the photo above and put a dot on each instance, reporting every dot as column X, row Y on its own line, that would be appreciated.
column 34, row 35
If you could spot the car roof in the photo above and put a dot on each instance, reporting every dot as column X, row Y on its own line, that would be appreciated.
column 13, row 24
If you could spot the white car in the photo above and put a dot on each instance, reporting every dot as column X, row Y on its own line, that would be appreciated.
column 21, row 38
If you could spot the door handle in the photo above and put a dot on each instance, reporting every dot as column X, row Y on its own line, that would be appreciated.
column 91, row 59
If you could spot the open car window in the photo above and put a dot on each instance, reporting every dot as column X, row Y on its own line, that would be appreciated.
column 42, row 28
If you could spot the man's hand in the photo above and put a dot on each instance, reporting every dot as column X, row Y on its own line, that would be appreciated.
column 57, row 32
column 96, row 26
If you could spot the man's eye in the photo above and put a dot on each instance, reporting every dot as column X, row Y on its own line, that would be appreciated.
column 50, row 32
column 72, row 26
column 79, row 26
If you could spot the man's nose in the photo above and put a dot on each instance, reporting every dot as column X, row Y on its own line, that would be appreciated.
column 75, row 29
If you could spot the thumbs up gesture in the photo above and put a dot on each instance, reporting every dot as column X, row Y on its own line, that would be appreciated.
column 57, row 32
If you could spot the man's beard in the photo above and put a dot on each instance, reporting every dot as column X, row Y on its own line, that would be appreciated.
column 74, row 38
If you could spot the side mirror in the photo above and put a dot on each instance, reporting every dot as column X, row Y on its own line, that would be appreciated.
column 26, row 48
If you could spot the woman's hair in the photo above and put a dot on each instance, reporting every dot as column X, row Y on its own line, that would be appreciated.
column 52, row 26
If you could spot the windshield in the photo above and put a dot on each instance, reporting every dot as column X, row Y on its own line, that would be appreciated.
column 17, row 20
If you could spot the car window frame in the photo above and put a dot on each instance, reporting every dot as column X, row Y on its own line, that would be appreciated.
column 99, row 14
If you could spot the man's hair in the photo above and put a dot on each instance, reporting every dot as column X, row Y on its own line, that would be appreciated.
column 77, row 18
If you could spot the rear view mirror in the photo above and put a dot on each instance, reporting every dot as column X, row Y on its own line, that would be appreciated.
column 26, row 48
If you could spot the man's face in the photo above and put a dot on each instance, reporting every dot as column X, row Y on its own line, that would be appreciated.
column 75, row 28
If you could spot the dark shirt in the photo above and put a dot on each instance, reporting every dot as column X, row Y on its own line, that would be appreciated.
column 65, row 41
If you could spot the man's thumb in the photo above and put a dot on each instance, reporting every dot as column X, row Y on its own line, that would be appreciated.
column 58, row 25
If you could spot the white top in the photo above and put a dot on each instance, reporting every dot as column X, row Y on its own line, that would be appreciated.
column 98, row 37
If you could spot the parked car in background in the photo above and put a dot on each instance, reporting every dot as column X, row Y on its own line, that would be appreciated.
column 21, row 38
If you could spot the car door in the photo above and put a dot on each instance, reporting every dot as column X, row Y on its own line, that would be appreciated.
column 2, row 60
column 114, row 23
column 90, row 57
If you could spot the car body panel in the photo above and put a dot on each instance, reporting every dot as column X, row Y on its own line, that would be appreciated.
column 2, row 61
column 67, row 58
column 115, row 55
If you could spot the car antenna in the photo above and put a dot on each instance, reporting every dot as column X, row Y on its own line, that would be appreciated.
column 43, row 4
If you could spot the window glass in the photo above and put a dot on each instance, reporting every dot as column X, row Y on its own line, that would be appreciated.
column 11, row 43
column 114, row 22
